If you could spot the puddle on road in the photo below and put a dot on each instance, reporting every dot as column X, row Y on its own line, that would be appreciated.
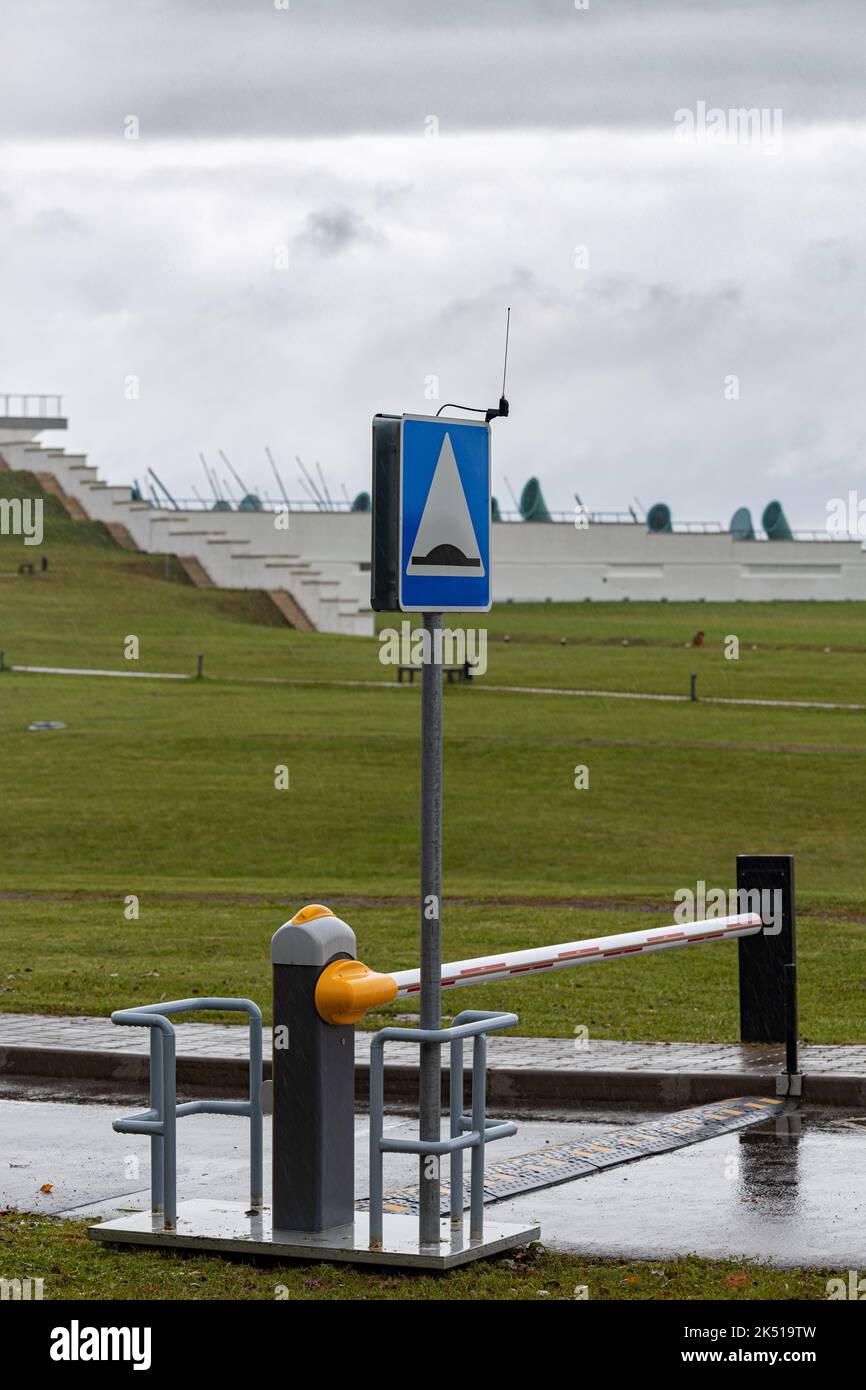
column 788, row 1191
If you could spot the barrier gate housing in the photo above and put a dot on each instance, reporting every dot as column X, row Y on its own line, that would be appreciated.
column 320, row 991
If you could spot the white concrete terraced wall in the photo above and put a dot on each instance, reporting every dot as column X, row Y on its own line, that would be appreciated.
column 238, row 550
column 534, row 561
column 323, row 558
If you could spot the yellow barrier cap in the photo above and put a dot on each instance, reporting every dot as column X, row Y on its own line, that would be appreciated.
column 309, row 914
column 346, row 989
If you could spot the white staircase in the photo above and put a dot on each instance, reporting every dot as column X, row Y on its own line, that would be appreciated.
column 238, row 550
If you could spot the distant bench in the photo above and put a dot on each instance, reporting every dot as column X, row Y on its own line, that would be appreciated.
column 463, row 672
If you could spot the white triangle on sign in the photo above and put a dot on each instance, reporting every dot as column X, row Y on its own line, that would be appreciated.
column 446, row 542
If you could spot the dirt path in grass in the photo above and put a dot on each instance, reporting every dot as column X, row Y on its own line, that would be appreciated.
column 490, row 689
column 388, row 900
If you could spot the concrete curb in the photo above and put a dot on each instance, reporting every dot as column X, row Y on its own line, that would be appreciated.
column 517, row 1087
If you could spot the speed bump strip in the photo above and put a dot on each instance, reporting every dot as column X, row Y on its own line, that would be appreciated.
column 560, row 1163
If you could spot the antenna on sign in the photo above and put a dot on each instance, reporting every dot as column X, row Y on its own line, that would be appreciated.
column 494, row 411
column 502, row 408
column 505, row 363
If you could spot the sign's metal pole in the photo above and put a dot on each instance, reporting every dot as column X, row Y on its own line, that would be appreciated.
column 431, row 927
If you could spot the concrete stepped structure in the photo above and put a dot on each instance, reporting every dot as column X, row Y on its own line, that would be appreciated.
column 321, row 561
column 193, row 569
column 290, row 609
column 70, row 505
column 309, row 576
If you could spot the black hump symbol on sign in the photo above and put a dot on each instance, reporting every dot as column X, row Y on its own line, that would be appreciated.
column 446, row 555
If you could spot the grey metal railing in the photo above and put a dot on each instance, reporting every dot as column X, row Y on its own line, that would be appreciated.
column 473, row 1131
column 304, row 504
column 29, row 404
column 160, row 1121
column 268, row 504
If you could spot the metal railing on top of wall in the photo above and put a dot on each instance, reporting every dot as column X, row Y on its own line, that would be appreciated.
column 30, row 405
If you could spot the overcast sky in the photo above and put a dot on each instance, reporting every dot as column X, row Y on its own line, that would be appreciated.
column 329, row 206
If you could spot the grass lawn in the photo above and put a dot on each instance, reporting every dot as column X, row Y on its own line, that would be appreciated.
column 165, row 788
column 74, row 1267
column 91, row 960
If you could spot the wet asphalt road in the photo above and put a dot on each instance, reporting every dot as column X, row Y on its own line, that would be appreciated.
column 787, row 1192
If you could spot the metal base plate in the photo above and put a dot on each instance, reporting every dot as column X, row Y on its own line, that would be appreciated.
column 228, row 1228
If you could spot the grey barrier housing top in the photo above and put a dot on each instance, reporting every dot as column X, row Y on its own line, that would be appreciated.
column 312, row 943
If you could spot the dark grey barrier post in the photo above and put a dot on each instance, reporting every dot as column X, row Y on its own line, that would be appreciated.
column 313, row 1080
column 768, row 1003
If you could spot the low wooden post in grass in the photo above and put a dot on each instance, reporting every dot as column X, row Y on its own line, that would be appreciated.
column 200, row 664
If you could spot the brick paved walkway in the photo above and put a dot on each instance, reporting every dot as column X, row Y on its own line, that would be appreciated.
column 546, row 1054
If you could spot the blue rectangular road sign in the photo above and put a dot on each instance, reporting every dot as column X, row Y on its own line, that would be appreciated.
column 444, row 523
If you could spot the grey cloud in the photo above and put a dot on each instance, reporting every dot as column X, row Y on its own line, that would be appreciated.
column 191, row 67
column 702, row 263
column 834, row 261
column 331, row 230
column 58, row 222
column 391, row 193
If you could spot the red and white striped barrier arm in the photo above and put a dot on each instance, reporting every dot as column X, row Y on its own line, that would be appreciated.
column 508, row 965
